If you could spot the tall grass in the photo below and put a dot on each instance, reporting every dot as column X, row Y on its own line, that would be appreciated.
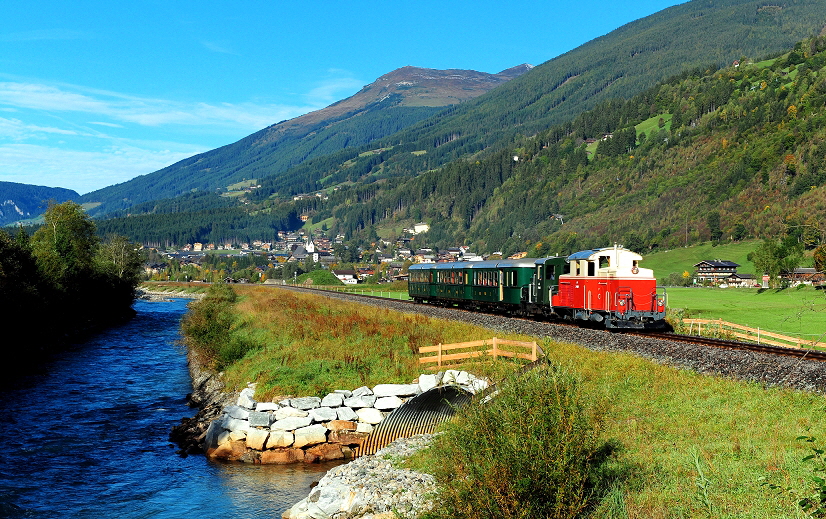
column 294, row 343
column 536, row 450
column 209, row 324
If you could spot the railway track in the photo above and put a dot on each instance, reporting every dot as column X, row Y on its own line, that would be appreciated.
column 798, row 353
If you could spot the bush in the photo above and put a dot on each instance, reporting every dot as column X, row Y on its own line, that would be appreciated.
column 533, row 451
column 208, row 325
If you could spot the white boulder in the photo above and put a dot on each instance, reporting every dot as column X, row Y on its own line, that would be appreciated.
column 364, row 427
column 332, row 400
column 346, row 413
column 245, row 399
column 396, row 390
column 370, row 415
column 279, row 439
column 357, row 402
column 305, row 403
column 286, row 412
column 427, row 382
column 238, row 412
column 257, row 438
column 363, row 390
column 388, row 403
column 291, row 423
column 310, row 435
column 323, row 414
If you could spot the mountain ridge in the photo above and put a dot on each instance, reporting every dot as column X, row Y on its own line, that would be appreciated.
column 23, row 201
column 391, row 102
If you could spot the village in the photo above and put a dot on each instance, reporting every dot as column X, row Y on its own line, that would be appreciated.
column 293, row 253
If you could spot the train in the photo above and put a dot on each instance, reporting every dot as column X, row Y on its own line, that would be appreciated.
column 603, row 287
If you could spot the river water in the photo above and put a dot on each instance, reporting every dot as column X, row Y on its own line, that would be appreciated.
column 87, row 437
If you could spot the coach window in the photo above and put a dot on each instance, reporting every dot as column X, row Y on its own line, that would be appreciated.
column 592, row 268
column 550, row 272
column 604, row 262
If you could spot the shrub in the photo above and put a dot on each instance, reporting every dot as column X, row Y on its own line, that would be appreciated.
column 533, row 451
column 208, row 325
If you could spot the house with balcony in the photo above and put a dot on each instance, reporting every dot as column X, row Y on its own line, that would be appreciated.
column 714, row 271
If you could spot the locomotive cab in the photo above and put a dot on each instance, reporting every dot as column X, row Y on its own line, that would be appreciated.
column 608, row 285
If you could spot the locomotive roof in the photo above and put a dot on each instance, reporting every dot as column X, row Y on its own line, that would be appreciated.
column 586, row 254
column 490, row 264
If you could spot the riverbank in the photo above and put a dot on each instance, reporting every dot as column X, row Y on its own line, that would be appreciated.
column 163, row 294
column 209, row 396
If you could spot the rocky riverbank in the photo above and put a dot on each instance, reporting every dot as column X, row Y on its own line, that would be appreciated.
column 165, row 295
column 310, row 428
column 209, row 397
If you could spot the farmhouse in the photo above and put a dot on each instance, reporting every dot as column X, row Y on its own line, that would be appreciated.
column 714, row 271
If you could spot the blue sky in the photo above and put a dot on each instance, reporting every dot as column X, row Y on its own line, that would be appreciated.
column 94, row 93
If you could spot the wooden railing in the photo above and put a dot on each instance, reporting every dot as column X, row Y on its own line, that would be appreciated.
column 472, row 350
column 750, row 334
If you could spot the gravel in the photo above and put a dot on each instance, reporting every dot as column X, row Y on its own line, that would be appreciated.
column 371, row 487
column 768, row 370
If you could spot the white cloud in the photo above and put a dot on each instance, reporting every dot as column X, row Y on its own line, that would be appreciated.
column 330, row 90
column 84, row 139
column 111, row 125
column 146, row 111
column 84, row 171
column 17, row 130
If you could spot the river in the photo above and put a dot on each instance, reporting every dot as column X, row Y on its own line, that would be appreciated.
column 87, row 436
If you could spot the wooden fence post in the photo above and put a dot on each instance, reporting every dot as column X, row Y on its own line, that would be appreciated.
column 440, row 355
column 495, row 348
column 533, row 352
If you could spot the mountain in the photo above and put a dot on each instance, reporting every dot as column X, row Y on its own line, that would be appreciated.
column 707, row 155
column 389, row 104
column 24, row 201
column 720, row 155
column 620, row 64
column 456, row 170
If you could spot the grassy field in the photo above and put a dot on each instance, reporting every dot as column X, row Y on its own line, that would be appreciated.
column 791, row 311
column 304, row 344
column 674, row 425
column 689, row 445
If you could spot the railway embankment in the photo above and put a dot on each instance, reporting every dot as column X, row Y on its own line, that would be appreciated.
column 765, row 369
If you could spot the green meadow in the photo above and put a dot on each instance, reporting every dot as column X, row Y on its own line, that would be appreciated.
column 800, row 312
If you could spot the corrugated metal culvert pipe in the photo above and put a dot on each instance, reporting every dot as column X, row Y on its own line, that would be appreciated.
column 419, row 415
column 422, row 413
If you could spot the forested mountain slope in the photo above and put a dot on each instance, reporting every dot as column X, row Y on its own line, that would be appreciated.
column 389, row 104
column 23, row 201
column 708, row 155
column 617, row 65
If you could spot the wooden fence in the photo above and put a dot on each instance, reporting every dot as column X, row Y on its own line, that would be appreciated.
column 472, row 350
column 750, row 334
